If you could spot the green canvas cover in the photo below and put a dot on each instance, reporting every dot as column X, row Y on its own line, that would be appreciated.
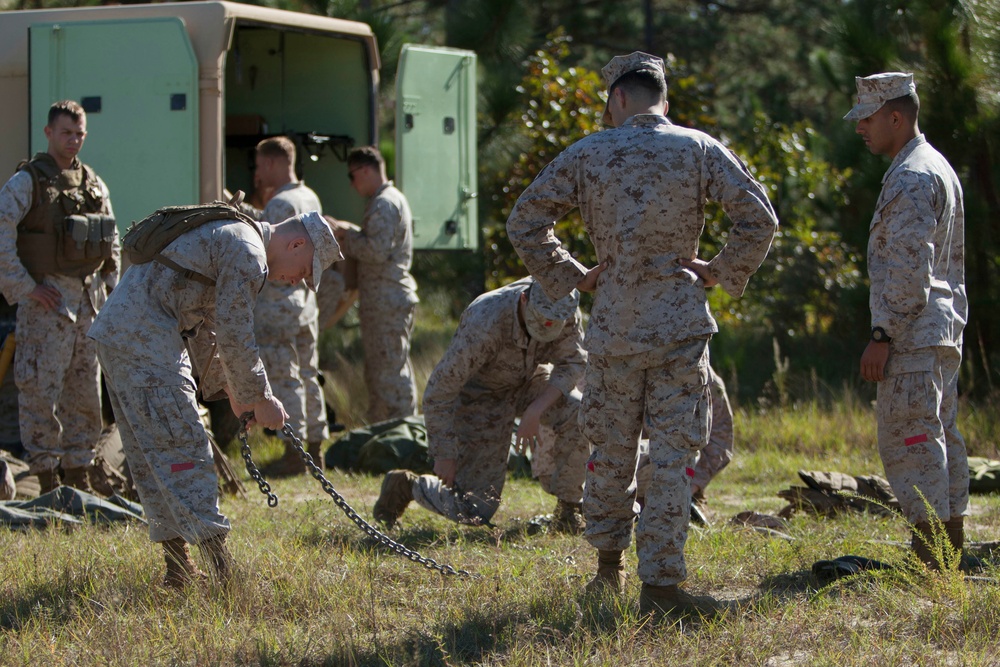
column 381, row 447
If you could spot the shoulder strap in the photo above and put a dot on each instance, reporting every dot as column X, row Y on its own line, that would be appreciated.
column 190, row 274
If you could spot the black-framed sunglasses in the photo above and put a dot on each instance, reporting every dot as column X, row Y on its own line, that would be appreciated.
column 351, row 172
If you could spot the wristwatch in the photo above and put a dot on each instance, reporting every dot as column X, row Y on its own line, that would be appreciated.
column 879, row 335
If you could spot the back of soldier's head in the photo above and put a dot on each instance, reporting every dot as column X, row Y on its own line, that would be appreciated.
column 647, row 85
column 277, row 147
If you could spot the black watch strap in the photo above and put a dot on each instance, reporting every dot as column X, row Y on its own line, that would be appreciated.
column 879, row 335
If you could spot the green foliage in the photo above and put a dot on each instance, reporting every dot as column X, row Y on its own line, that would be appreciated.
column 560, row 105
column 799, row 288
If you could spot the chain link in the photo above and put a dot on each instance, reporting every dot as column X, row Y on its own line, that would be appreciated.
column 338, row 499
column 265, row 488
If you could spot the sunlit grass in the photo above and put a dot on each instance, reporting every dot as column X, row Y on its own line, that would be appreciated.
column 314, row 590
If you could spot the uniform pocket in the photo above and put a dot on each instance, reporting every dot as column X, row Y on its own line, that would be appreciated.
column 908, row 396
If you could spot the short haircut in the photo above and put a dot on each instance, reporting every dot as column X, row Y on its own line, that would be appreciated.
column 907, row 105
column 66, row 108
column 282, row 147
column 645, row 83
column 365, row 156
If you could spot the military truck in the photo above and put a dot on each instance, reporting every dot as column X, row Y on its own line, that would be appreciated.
column 178, row 94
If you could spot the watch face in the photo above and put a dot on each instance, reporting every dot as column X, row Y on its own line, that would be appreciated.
column 879, row 335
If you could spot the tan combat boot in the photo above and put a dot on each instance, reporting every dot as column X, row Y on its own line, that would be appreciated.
column 610, row 577
column 316, row 452
column 78, row 478
column 396, row 494
column 568, row 518
column 181, row 570
column 955, row 528
column 48, row 480
column 662, row 600
column 289, row 464
column 922, row 543
column 214, row 548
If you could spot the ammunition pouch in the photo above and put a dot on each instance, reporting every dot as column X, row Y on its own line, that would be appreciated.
column 86, row 237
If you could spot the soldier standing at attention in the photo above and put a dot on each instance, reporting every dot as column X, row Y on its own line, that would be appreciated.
column 515, row 353
column 641, row 189
column 160, row 329
column 916, row 267
column 387, row 293
column 60, row 255
column 286, row 319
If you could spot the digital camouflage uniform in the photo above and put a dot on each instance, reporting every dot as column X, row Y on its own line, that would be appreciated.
column 718, row 453
column 158, row 331
column 286, row 322
column 641, row 190
column 55, row 367
column 490, row 373
column 916, row 265
column 387, row 299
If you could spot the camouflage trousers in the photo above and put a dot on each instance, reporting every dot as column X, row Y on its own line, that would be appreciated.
column 486, row 426
column 167, row 448
column 918, row 439
column 664, row 392
column 292, row 365
column 718, row 453
column 58, row 383
column 385, row 339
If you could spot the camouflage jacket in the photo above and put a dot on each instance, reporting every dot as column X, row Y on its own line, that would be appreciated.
column 916, row 251
column 641, row 189
column 281, row 306
column 490, row 358
column 384, row 250
column 156, row 314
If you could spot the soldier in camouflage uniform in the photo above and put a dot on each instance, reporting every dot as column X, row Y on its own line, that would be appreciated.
column 641, row 189
column 515, row 353
column 286, row 319
column 159, row 330
column 916, row 266
column 717, row 453
column 387, row 299
column 59, row 284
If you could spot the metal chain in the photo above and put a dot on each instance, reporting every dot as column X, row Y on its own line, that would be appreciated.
column 366, row 527
column 255, row 475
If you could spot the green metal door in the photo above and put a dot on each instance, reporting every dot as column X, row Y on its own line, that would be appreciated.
column 138, row 82
column 436, row 145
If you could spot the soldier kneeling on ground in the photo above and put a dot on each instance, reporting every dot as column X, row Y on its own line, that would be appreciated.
column 516, row 352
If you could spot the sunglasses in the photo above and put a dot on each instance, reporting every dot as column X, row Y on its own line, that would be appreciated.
column 350, row 173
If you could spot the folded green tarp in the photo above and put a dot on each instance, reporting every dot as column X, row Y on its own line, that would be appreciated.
column 69, row 506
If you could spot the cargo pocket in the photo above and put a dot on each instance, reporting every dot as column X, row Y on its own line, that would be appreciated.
column 908, row 397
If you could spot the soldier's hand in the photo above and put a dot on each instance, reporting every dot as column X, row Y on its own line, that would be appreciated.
column 240, row 409
column 700, row 267
column 48, row 297
column 527, row 431
column 269, row 413
column 445, row 470
column 589, row 281
column 873, row 361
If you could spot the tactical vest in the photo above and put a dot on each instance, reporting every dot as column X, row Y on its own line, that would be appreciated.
column 65, row 230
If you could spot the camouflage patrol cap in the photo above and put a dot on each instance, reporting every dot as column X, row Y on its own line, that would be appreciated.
column 326, row 250
column 875, row 90
column 634, row 62
column 545, row 318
